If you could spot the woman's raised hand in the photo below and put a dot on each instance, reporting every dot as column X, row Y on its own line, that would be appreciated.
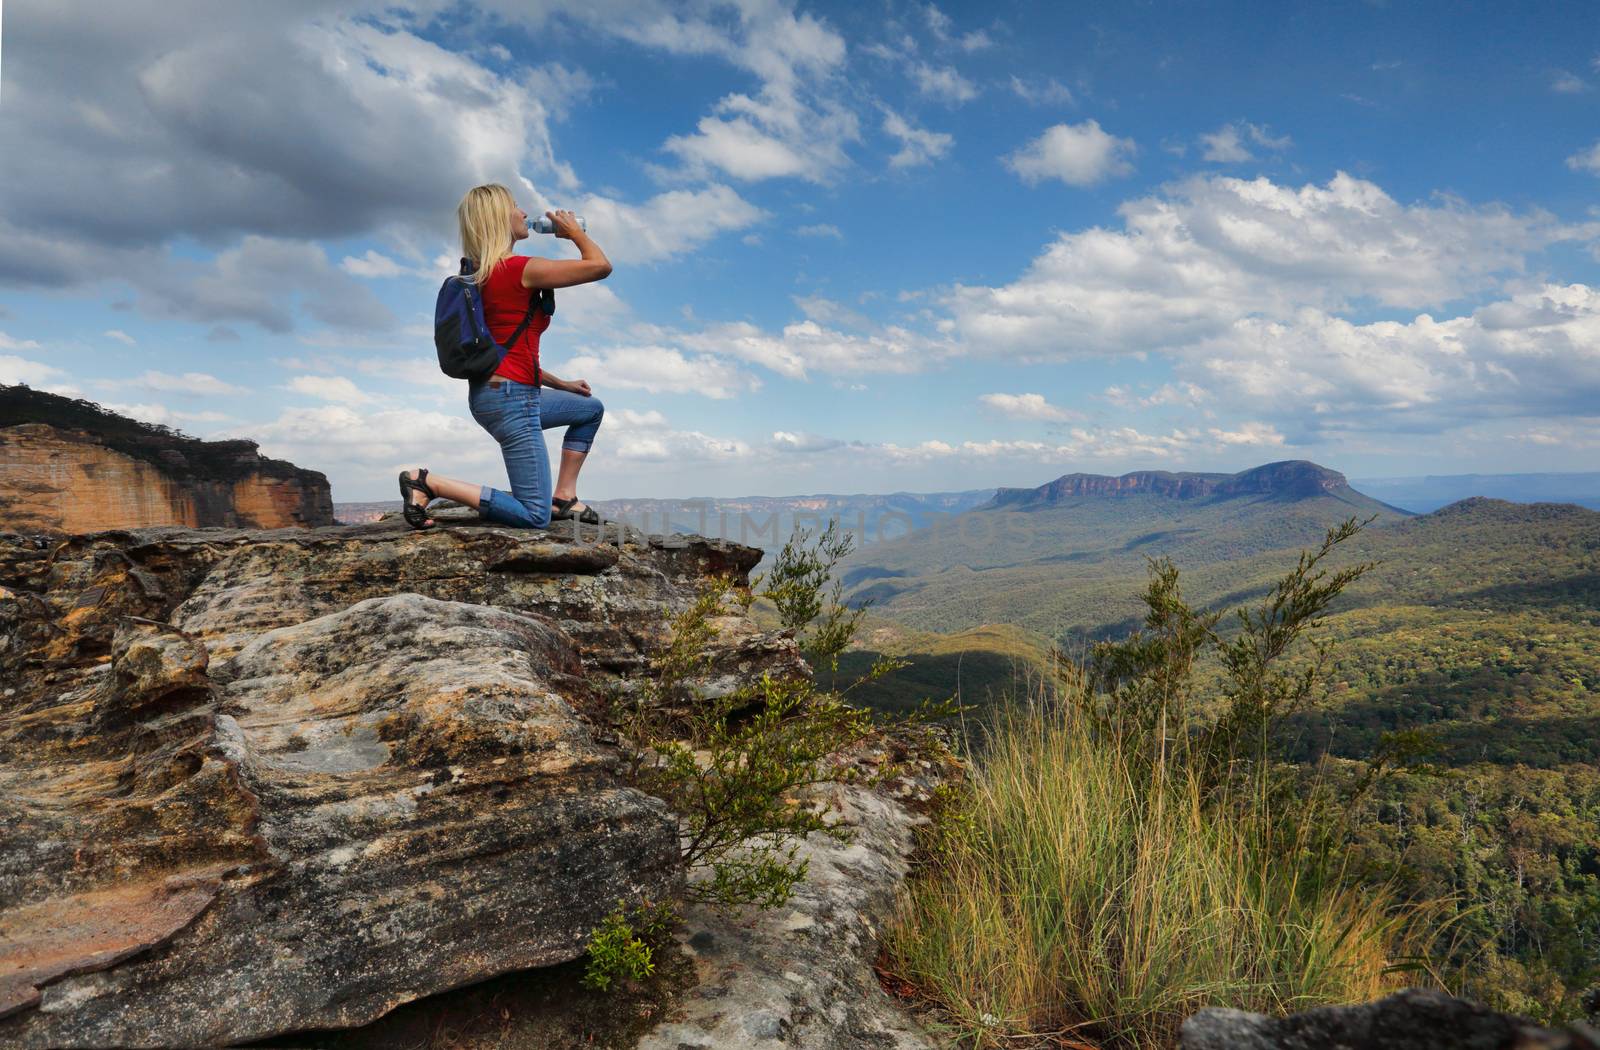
column 565, row 223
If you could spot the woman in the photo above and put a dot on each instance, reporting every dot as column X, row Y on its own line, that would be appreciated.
column 510, row 404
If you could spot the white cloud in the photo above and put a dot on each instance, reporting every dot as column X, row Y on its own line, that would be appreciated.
column 1077, row 154
column 807, row 345
column 1049, row 92
column 351, row 446
column 1226, row 145
column 330, row 388
column 660, row 370
column 1586, row 160
column 1255, row 435
column 212, row 122
column 1186, row 394
column 1238, row 284
column 917, row 145
column 1025, row 406
column 648, row 438
column 161, row 414
column 668, row 224
column 193, row 383
column 1091, row 444
column 943, row 83
column 830, row 312
column 943, row 30
column 8, row 343
column 14, row 370
column 1190, row 262
column 795, row 126
column 791, row 441
column 376, row 265
column 1536, row 354
column 120, row 336
column 821, row 229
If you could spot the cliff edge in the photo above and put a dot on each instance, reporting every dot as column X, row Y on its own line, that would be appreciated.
column 71, row 466
column 258, row 782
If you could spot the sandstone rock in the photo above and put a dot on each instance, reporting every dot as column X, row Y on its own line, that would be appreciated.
column 801, row 976
column 256, row 782
column 1415, row 1019
column 69, row 466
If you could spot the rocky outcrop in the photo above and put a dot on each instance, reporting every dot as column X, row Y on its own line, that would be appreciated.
column 70, row 466
column 256, row 782
column 800, row 977
column 1414, row 1019
column 1293, row 479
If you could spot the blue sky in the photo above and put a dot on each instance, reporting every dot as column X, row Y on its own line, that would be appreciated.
column 859, row 247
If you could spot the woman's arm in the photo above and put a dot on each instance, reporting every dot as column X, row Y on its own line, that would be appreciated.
column 564, row 273
column 571, row 386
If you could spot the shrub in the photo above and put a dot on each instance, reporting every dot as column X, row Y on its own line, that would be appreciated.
column 616, row 951
column 1118, row 863
column 740, row 768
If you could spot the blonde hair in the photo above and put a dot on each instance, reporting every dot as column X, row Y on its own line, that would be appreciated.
column 485, row 217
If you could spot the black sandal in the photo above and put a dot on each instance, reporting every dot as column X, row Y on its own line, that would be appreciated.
column 561, row 510
column 416, row 514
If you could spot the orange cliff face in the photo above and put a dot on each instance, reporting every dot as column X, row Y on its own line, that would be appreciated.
column 68, row 480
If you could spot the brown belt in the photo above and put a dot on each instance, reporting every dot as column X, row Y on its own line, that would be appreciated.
column 496, row 382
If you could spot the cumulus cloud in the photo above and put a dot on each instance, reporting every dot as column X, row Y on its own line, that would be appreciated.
column 364, row 124
column 1535, row 354
column 40, row 376
column 821, row 229
column 1187, row 264
column 330, row 388
column 807, row 345
column 321, row 119
column 794, row 126
column 1024, row 406
column 120, row 336
column 662, row 370
column 350, row 445
column 668, row 224
column 1077, row 154
column 917, row 145
column 647, row 437
column 1239, row 285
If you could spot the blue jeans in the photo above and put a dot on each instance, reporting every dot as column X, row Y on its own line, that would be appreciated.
column 517, row 415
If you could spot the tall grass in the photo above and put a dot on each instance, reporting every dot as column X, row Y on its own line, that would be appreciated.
column 1114, row 866
column 1081, row 890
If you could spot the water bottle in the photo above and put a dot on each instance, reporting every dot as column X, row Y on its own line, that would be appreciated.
column 542, row 224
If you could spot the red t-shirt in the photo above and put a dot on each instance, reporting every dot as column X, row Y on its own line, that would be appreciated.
column 505, row 304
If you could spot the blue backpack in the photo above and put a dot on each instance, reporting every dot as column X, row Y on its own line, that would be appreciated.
column 461, row 335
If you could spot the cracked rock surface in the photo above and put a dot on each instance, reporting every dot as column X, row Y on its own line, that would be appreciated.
column 259, row 782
